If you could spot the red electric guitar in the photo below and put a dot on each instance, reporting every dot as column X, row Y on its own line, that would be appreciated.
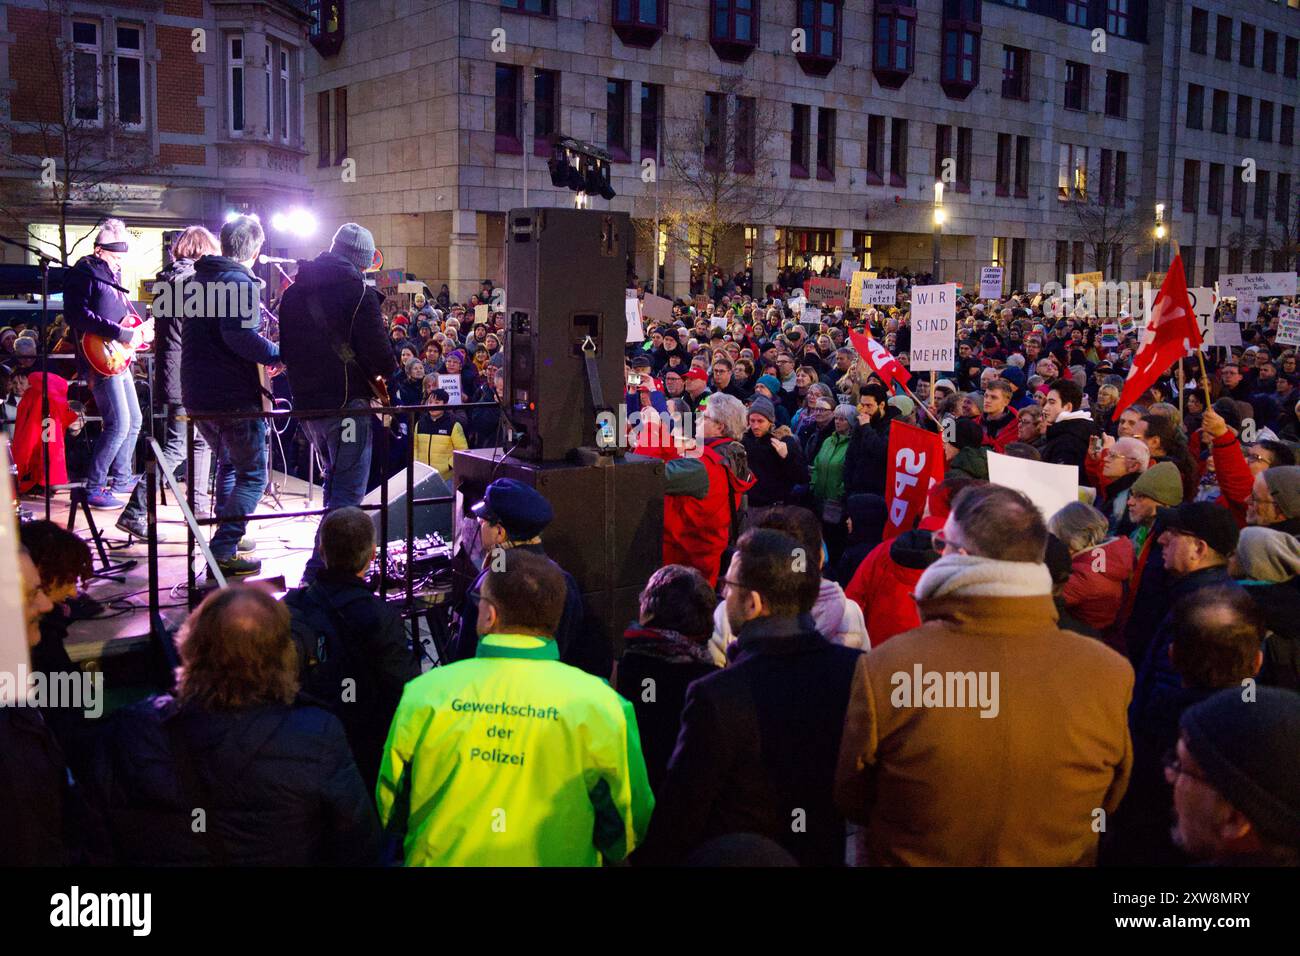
column 109, row 356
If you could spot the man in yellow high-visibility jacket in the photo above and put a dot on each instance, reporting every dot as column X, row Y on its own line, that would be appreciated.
column 512, row 758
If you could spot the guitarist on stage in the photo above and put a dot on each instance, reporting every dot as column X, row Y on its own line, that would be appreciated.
column 92, row 305
column 337, row 355
column 220, row 352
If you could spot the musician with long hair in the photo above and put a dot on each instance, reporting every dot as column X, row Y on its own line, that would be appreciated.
column 92, row 304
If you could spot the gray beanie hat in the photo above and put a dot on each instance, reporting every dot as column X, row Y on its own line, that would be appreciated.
column 1284, row 485
column 355, row 244
column 763, row 406
column 1266, row 554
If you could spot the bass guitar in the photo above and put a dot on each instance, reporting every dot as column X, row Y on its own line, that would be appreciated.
column 109, row 356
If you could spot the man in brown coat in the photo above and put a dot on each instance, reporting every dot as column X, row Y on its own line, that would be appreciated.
column 987, row 736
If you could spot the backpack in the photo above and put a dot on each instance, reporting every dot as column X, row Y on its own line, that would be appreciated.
column 324, row 658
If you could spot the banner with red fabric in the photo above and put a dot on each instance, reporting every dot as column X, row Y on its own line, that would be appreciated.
column 916, row 461
column 1171, row 333
column 879, row 359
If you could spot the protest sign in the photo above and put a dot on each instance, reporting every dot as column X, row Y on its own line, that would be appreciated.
column 632, row 309
column 828, row 291
column 480, row 314
column 934, row 328
column 1074, row 280
column 991, row 282
column 1257, row 285
column 451, row 385
column 1247, row 309
column 1050, row 487
column 1226, row 334
column 655, row 308
column 811, row 317
column 855, row 288
column 916, row 461
column 880, row 292
column 718, row 322
column 1288, row 326
column 848, row 267
column 1204, row 302
column 1034, row 287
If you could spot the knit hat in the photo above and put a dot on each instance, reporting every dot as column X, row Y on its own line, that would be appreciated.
column 945, row 383
column 763, row 406
column 771, row 383
column 1284, row 485
column 355, row 244
column 904, row 405
column 1015, row 375
column 1206, row 520
column 1162, row 482
column 1266, row 554
column 1247, row 752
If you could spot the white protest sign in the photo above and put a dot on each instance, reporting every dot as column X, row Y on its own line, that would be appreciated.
column 632, row 309
column 879, row 291
column 480, row 314
column 1034, row 287
column 1226, row 334
column 991, row 282
column 1288, row 326
column 1258, row 285
column 811, row 317
column 451, row 385
column 1247, row 309
column 848, row 267
column 718, row 322
column 14, row 658
column 1204, row 302
column 934, row 328
column 1050, row 487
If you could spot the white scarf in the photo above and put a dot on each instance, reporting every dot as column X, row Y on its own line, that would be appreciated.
column 966, row 575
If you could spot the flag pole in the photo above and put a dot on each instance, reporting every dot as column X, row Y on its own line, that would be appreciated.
column 919, row 404
column 1200, row 353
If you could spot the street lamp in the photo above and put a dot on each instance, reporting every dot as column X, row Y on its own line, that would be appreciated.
column 939, row 217
column 1159, row 232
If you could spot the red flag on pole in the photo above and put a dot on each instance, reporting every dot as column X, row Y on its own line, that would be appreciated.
column 878, row 357
column 1171, row 333
column 916, row 461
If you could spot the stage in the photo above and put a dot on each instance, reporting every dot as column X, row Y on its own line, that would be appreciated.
column 283, row 545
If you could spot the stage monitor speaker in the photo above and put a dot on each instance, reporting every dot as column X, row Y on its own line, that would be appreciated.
column 428, row 518
column 567, row 272
column 608, row 527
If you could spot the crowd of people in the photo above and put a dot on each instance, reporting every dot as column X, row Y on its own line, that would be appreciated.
column 1114, row 683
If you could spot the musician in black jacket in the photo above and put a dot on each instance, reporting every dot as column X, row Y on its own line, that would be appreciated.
column 92, row 304
column 333, row 345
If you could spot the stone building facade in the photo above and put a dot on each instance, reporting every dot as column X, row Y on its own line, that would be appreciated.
column 1067, row 122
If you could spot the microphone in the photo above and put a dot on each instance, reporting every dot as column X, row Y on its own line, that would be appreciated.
column 268, row 260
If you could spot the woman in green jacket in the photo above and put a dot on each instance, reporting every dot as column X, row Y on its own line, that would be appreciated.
column 827, row 478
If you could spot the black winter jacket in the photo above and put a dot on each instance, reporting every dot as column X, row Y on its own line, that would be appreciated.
column 278, row 785
column 1066, row 443
column 775, row 478
column 221, row 353
column 349, row 314
column 167, row 334
column 91, row 305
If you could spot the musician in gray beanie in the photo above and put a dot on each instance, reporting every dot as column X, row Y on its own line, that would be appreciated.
column 356, row 244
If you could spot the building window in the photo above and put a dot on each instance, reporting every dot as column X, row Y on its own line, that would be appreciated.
column 1200, row 29
column 1076, row 12
column 1219, row 112
column 507, row 109
column 1268, row 58
column 1234, row 259
column 1015, row 73
column 1116, row 94
column 1223, row 38
column 898, row 152
column 895, row 40
column 1286, row 128
column 640, row 23
column 340, row 125
column 1077, row 257
column 1189, row 260
column 1214, row 204
column 538, row 7
column 1261, row 194
column 965, row 149
column 1022, row 166
column 1003, row 165
column 1062, row 258
column 1283, row 206
column 546, row 110
column 961, row 47
column 1119, row 193
column 323, row 128
column 1265, row 121
column 942, row 149
column 715, row 130
column 130, row 77
column 1243, row 116
column 282, row 91
column 87, row 92
column 875, row 150
column 1076, row 85
column 1072, row 173
column 820, row 21
column 1017, row 264
column 825, row 144
column 651, row 118
column 1238, row 195
column 746, row 131
column 1290, row 56
column 1247, row 50
column 733, row 31
column 1117, row 17
column 616, row 107
column 268, row 63
column 799, row 118
column 1191, row 184
column 1211, row 274
column 1195, row 106
column 1105, row 176
column 235, row 76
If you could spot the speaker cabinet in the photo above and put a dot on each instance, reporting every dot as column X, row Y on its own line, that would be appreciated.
column 567, row 272
column 428, row 518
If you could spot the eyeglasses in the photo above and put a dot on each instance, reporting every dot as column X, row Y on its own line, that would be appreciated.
column 1175, row 768
column 942, row 544
column 728, row 583
column 1254, row 458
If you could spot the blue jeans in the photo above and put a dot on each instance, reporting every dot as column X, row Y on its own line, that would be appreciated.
column 347, row 464
column 172, row 443
column 239, row 449
column 115, row 447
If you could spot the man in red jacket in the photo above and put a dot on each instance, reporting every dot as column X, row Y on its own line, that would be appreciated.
column 705, row 485
column 1001, row 427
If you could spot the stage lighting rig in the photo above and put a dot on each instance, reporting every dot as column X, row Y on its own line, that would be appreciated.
column 580, row 167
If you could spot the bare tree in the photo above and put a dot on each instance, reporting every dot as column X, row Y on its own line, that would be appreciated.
column 71, row 150
column 719, row 174
column 1110, row 230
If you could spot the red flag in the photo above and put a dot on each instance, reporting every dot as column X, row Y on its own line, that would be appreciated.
column 878, row 357
column 916, row 461
column 1171, row 333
